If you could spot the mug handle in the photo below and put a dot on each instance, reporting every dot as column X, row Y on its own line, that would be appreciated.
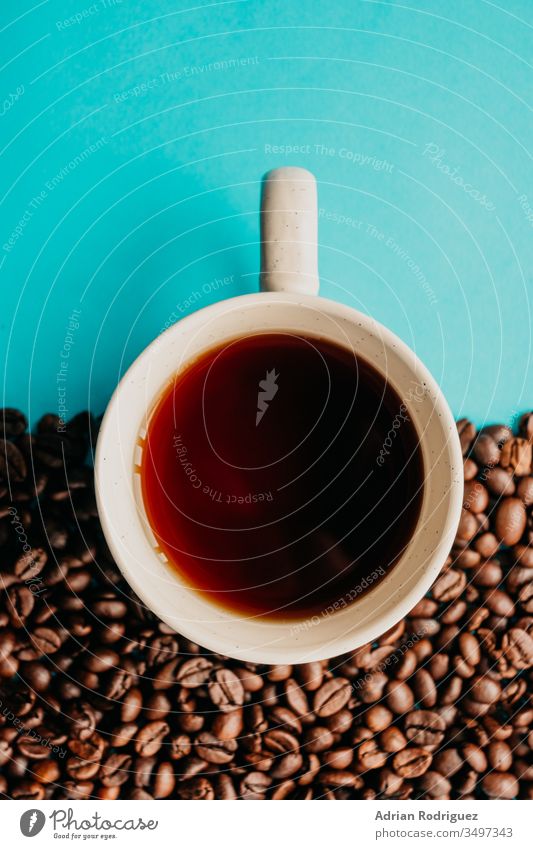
column 289, row 232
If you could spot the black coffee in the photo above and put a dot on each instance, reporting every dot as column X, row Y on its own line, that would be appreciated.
column 281, row 475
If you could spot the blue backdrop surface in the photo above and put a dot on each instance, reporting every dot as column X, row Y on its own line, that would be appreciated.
column 134, row 136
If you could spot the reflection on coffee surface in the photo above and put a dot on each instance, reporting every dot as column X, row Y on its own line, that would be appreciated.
column 281, row 475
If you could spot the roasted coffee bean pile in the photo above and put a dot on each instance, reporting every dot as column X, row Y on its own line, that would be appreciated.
column 98, row 699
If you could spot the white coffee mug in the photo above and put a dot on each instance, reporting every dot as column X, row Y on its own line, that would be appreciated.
column 288, row 303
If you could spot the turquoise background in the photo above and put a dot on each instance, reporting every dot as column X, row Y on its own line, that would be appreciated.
column 135, row 134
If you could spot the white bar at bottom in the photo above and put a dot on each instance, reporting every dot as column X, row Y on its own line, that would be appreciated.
column 255, row 825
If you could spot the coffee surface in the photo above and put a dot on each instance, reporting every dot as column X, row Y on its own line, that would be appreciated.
column 281, row 475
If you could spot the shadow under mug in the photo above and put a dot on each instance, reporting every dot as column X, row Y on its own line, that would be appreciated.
column 288, row 303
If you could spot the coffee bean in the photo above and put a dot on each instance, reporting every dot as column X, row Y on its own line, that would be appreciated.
column 286, row 766
column 370, row 688
column 475, row 497
column 191, row 722
column 488, row 574
column 117, row 684
column 310, row 675
column 500, row 756
column 279, row 741
column 150, row 738
column 110, row 793
column 109, row 607
column 12, row 422
column 467, row 433
column 340, row 778
column 510, row 521
column 89, row 749
column 256, row 721
column 407, row 665
column 517, row 646
column 516, row 456
column 31, row 564
column 525, row 597
column 424, row 728
column 454, row 612
column 524, row 491
column 495, row 730
column 340, row 722
column 37, row 676
column 251, row 681
column 166, row 675
column 360, row 734
column 485, row 690
column 487, row 545
column 525, row 425
column 399, row 697
column 259, row 760
column 84, row 719
column 226, row 690
column 448, row 762
column 338, row 758
column 32, row 748
column 438, row 666
column 20, row 603
column 131, row 705
column 123, row 734
column 270, row 695
column 46, row 641
column 378, row 717
column 474, row 757
column 500, row 432
column 516, row 578
column 499, row 603
column 370, row 755
column 389, row 782
column 373, row 658
column 500, row 785
column 434, row 785
column 225, row 788
column 283, row 791
column 279, row 673
column 411, row 762
column 197, row 788
column 13, row 467
column 180, row 746
column 158, row 706
column 194, row 672
column 392, row 740
column 424, row 688
column 30, row 790
column 499, row 481
column 213, row 750
column 331, row 697
column 468, row 526
column 115, row 770
column 46, row 771
column 296, row 698
column 318, row 739
column 255, row 786
column 228, row 726
column 81, row 770
column 486, row 450
column 102, row 660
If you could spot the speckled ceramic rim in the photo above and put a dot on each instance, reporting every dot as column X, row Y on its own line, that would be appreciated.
column 158, row 585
